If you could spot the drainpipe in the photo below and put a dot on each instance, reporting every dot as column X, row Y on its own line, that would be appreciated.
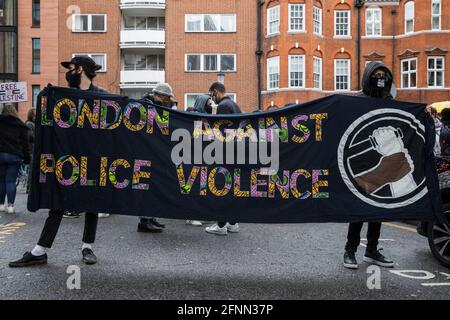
column 359, row 4
column 394, row 30
column 259, row 52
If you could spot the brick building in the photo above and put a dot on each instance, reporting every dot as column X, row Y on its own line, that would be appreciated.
column 38, row 48
column 204, row 39
column 310, row 47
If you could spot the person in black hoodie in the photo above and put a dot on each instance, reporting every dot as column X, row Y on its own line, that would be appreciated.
column 81, row 72
column 376, row 83
column 14, row 150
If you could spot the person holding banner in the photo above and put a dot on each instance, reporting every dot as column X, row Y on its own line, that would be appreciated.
column 376, row 83
column 82, row 71
column 162, row 95
column 224, row 106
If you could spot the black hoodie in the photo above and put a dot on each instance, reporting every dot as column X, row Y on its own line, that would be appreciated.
column 367, row 89
column 14, row 137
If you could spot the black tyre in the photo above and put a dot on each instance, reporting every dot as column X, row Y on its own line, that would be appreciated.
column 439, row 238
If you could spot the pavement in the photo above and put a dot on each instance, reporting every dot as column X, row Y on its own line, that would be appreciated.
column 262, row 261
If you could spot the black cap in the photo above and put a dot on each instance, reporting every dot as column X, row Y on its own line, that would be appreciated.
column 82, row 61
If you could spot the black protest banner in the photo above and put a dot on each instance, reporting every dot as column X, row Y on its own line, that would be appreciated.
column 335, row 159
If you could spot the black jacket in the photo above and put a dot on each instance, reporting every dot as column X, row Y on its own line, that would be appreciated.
column 151, row 98
column 365, row 82
column 14, row 137
column 227, row 106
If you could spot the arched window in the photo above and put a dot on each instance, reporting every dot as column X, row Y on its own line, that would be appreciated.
column 273, row 70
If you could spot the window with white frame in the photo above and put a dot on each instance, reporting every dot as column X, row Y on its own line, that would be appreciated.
column 273, row 20
column 317, row 73
column 99, row 58
column 436, row 15
column 211, row 62
column 189, row 98
column 436, row 72
column 144, row 23
column 409, row 73
column 317, row 19
column 342, row 23
column 136, row 62
column 373, row 21
column 296, row 71
column 210, row 22
column 89, row 23
column 342, row 74
column 296, row 17
column 409, row 17
column 273, row 73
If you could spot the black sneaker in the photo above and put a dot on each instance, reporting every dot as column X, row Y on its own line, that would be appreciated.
column 154, row 222
column 29, row 260
column 88, row 256
column 350, row 260
column 71, row 215
column 148, row 228
column 375, row 257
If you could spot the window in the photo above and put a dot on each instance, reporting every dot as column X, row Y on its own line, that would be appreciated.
column 210, row 23
column 36, row 43
column 409, row 17
column 189, row 99
column 317, row 19
column 89, row 23
column 342, row 74
column 373, row 22
column 296, row 17
column 273, row 20
column 8, row 49
column 436, row 72
column 144, row 23
column 273, row 73
column 35, row 91
column 436, row 15
column 211, row 62
column 296, row 71
column 317, row 73
column 99, row 58
column 409, row 73
column 137, row 62
column 36, row 14
column 8, row 11
column 342, row 23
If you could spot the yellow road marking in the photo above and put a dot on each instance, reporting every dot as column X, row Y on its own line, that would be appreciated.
column 393, row 225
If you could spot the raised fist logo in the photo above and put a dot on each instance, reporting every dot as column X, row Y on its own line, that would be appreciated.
column 395, row 167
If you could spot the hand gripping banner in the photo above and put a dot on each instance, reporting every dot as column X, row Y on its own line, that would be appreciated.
column 335, row 159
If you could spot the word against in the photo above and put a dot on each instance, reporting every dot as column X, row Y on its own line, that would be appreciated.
column 227, row 309
column 74, row 280
column 423, row 276
column 374, row 280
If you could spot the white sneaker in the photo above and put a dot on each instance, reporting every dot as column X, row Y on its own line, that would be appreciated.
column 2, row 208
column 10, row 209
column 103, row 215
column 232, row 228
column 215, row 229
column 194, row 223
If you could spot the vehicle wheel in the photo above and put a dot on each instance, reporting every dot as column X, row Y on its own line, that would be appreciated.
column 439, row 238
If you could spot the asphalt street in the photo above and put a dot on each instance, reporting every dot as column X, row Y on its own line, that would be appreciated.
column 297, row 261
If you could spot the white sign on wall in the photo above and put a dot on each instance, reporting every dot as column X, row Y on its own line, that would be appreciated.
column 11, row 92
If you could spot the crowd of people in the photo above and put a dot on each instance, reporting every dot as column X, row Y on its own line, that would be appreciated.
column 17, row 139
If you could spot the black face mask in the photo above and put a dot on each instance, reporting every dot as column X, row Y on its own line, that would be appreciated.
column 378, row 86
column 73, row 79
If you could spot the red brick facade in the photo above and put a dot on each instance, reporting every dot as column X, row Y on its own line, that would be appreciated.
column 422, row 43
column 243, row 82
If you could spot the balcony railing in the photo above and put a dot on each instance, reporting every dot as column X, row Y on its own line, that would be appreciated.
column 141, row 78
column 143, row 39
column 143, row 4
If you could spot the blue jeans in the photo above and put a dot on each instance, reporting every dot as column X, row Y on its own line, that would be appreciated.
column 9, row 169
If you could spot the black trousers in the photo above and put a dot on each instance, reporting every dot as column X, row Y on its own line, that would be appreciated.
column 354, row 236
column 54, row 221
